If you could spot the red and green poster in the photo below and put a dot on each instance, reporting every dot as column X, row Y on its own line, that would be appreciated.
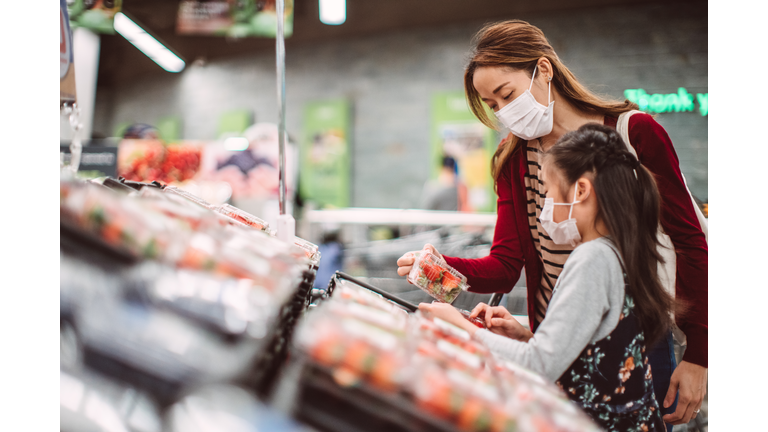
column 324, row 154
column 232, row 18
column 458, row 134
column 96, row 15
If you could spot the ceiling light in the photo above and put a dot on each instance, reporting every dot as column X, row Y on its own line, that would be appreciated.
column 148, row 44
column 333, row 12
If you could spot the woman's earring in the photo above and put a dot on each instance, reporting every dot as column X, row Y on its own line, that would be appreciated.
column 549, row 79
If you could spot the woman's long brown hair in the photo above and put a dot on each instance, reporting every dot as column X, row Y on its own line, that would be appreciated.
column 629, row 206
column 517, row 45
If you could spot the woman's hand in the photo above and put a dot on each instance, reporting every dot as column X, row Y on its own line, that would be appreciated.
column 448, row 313
column 405, row 262
column 498, row 320
column 691, row 380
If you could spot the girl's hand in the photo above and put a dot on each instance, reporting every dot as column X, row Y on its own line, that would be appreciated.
column 405, row 262
column 498, row 320
column 448, row 313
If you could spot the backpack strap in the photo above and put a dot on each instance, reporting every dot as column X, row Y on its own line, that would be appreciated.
column 622, row 127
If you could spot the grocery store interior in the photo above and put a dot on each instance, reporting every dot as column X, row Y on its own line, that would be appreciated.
column 236, row 192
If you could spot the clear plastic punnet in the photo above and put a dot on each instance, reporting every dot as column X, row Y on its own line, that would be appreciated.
column 335, row 336
column 477, row 321
column 433, row 275
column 189, row 196
column 244, row 217
column 310, row 249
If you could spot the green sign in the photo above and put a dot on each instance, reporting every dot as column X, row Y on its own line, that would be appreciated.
column 234, row 122
column 324, row 154
column 169, row 128
column 458, row 134
column 682, row 101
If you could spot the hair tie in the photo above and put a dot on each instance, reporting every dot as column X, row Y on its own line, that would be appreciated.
column 635, row 166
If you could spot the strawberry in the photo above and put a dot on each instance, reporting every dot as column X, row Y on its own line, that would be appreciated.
column 450, row 281
column 432, row 271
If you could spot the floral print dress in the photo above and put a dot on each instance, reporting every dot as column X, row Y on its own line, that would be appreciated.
column 611, row 379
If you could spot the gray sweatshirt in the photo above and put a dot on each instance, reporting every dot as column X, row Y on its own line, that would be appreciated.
column 585, row 307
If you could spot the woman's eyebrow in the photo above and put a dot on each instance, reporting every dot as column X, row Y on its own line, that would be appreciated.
column 496, row 90
column 500, row 87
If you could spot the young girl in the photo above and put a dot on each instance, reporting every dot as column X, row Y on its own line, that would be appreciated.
column 607, row 306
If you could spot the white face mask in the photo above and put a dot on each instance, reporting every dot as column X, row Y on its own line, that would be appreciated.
column 564, row 232
column 527, row 118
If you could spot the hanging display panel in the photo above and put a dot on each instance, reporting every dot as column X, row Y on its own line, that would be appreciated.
column 232, row 18
column 67, row 60
column 324, row 175
column 458, row 134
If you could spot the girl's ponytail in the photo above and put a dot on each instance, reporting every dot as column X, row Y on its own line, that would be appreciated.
column 629, row 206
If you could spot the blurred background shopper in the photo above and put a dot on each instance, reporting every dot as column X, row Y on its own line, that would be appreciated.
column 447, row 192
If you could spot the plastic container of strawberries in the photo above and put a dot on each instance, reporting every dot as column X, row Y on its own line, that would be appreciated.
column 244, row 217
column 189, row 196
column 434, row 276
column 310, row 249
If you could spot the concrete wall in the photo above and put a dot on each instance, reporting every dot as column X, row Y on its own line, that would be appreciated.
column 391, row 77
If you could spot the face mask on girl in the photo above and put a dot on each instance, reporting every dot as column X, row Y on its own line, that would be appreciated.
column 525, row 117
column 564, row 232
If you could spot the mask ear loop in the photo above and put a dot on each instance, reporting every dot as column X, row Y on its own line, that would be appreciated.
column 549, row 86
column 532, row 77
column 574, row 202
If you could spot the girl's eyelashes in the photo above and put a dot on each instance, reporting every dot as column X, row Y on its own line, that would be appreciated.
column 510, row 94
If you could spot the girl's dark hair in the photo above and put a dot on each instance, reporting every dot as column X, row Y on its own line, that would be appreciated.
column 628, row 205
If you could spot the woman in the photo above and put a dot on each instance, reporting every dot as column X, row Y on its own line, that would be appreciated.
column 608, row 305
column 516, row 73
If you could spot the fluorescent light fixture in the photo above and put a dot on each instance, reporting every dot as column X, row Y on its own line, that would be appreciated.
column 236, row 144
column 148, row 44
column 333, row 12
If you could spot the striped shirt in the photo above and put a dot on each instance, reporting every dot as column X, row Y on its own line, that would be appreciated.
column 552, row 256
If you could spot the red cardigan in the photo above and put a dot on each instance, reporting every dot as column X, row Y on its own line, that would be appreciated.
column 513, row 246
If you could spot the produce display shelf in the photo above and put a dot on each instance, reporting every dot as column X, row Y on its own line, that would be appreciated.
column 271, row 362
